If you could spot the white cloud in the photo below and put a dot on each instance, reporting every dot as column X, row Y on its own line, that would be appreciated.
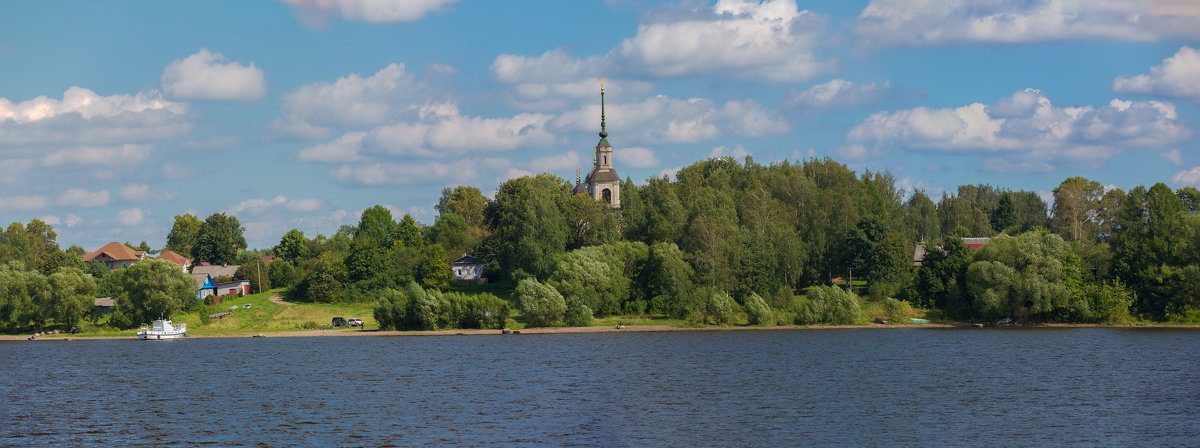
column 1187, row 178
column 1174, row 155
column 560, row 95
column 142, row 192
column 636, row 157
column 441, row 131
column 81, row 197
column 352, row 100
column 82, row 116
column 769, row 40
column 208, row 76
column 344, row 149
column 663, row 119
column 257, row 206
column 73, row 220
column 738, row 152
column 1029, row 125
column 405, row 173
column 51, row 219
column 131, row 216
column 374, row 11
column 20, row 203
column 669, row 172
column 1177, row 77
column 954, row 22
column 838, row 93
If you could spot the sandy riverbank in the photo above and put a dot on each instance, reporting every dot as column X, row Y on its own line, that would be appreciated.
column 564, row 330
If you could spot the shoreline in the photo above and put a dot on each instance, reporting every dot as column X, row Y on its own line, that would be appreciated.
column 569, row 330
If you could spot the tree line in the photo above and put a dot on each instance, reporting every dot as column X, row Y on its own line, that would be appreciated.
column 722, row 241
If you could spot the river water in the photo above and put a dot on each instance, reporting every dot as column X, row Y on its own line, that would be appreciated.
column 895, row 387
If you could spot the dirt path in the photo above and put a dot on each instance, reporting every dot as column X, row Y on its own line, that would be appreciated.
column 278, row 300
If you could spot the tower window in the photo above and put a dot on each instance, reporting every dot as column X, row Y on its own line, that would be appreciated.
column 606, row 160
column 606, row 194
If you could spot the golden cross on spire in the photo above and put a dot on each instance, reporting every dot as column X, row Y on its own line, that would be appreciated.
column 601, row 83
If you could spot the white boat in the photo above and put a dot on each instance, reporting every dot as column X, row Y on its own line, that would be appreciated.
column 162, row 329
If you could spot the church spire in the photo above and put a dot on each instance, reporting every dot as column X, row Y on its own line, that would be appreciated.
column 603, row 133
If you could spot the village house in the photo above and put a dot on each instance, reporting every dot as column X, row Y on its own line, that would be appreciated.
column 103, row 306
column 467, row 268
column 971, row 242
column 204, row 286
column 174, row 257
column 115, row 255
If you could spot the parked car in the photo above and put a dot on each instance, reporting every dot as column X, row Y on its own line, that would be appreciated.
column 355, row 322
column 339, row 322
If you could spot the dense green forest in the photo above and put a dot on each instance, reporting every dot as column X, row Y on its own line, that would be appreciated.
column 723, row 242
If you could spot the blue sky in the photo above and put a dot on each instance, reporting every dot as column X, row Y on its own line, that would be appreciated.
column 116, row 116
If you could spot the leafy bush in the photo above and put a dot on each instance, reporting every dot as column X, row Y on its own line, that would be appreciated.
column 758, row 312
column 542, row 304
column 391, row 309
column 579, row 316
column 709, row 305
column 1107, row 302
column 828, row 305
column 897, row 311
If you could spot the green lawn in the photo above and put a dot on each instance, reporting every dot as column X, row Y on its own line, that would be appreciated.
column 263, row 316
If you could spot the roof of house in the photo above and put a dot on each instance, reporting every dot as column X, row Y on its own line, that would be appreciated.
column 174, row 257
column 976, row 242
column 467, row 259
column 268, row 258
column 116, row 251
column 216, row 271
column 202, row 280
column 105, row 301
column 919, row 255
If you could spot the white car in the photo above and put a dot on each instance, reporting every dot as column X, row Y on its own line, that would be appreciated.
column 354, row 322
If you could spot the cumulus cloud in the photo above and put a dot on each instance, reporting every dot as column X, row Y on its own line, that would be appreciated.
column 81, row 197
column 1187, row 178
column 373, row 11
column 440, row 132
column 344, row 149
column 737, row 152
column 1177, row 77
column 1027, row 124
column 73, row 220
column 22, row 203
column 951, row 22
column 257, row 205
column 142, row 193
column 770, row 40
column 560, row 95
column 352, row 100
column 210, row 76
column 131, row 216
column 838, row 93
column 82, row 116
column 664, row 119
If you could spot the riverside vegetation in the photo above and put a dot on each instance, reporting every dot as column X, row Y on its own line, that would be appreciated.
column 724, row 242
